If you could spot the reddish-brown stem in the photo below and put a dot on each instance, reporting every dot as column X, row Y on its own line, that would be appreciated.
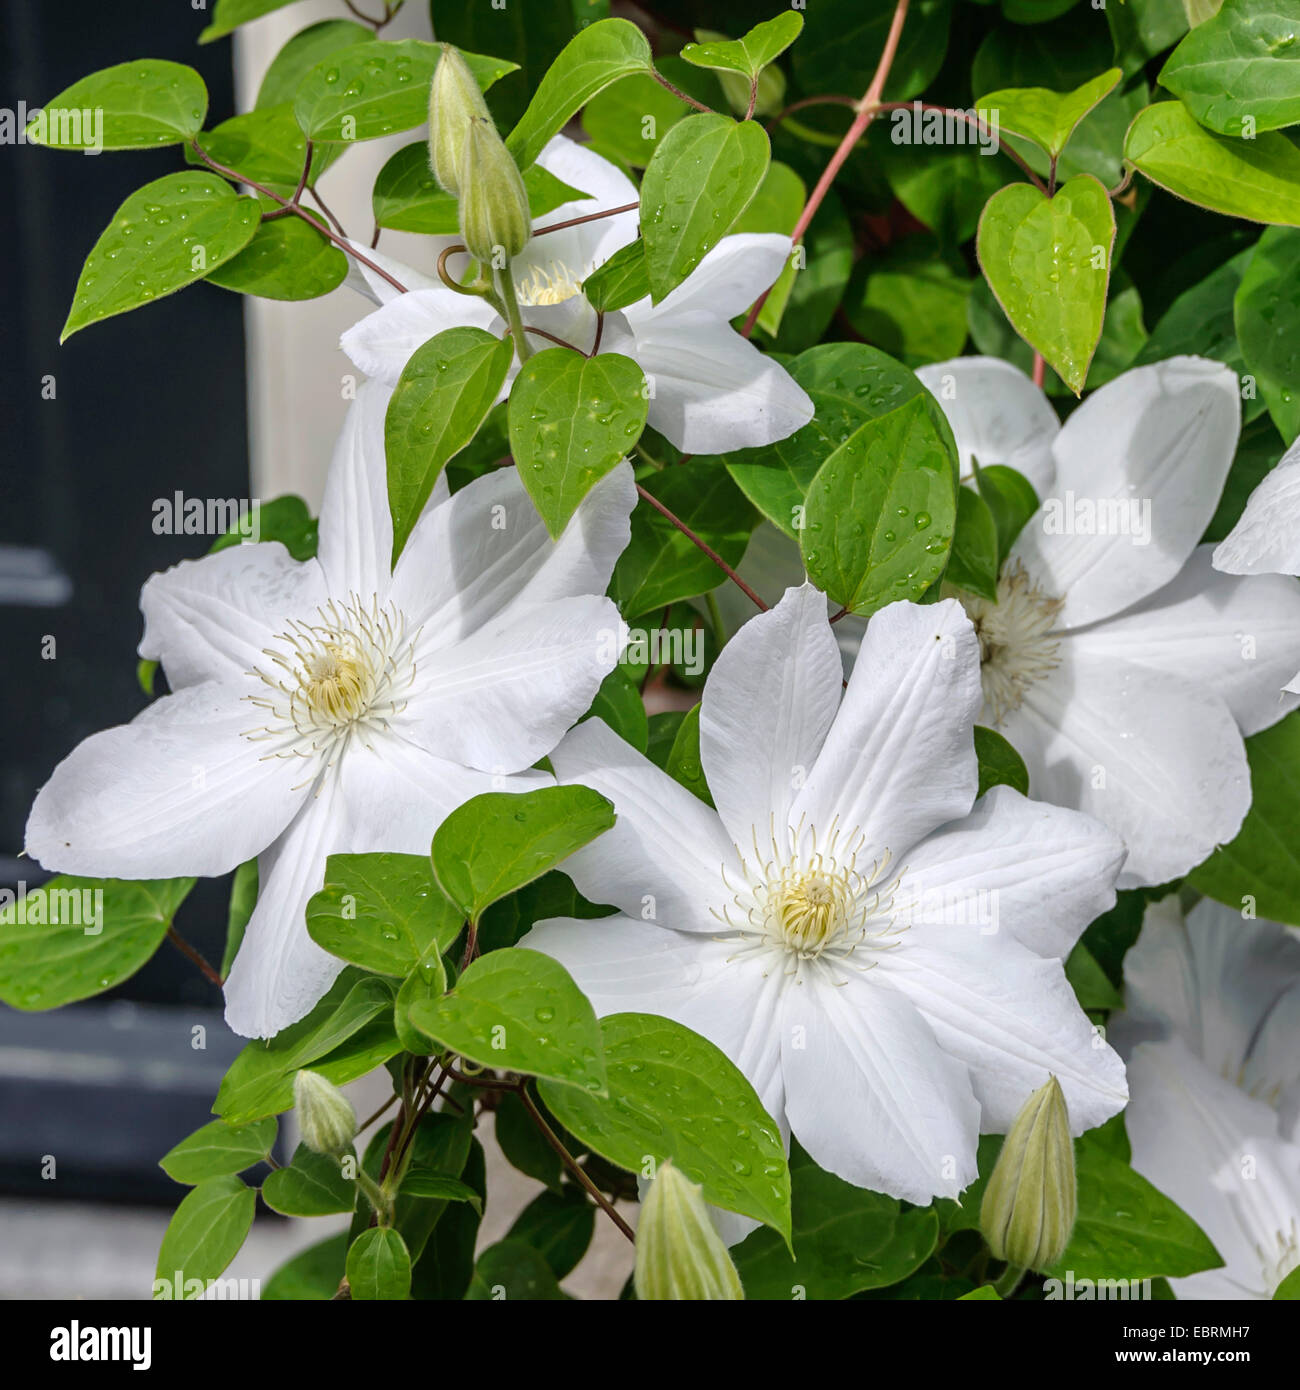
column 342, row 242
column 702, row 545
column 974, row 122
column 866, row 112
column 191, row 954
column 679, row 94
column 551, row 337
column 1040, row 369
column 587, row 217
column 809, row 101
column 573, row 1165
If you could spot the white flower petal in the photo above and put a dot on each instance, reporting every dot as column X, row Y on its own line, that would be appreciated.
column 663, row 860
column 993, row 870
column 900, row 759
column 768, row 704
column 1158, row 438
column 364, row 280
column 1266, row 538
column 179, row 790
column 713, row 390
column 1012, row 1018
column 997, row 414
column 381, row 344
column 590, row 244
column 485, row 549
column 724, row 284
column 211, row 619
column 1240, row 636
column 356, row 528
column 1191, row 1132
column 870, row 1093
column 503, row 698
column 1158, row 759
column 626, row 966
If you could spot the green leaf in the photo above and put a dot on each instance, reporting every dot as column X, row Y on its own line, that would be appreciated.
column 243, row 899
column 425, row 982
column 698, row 182
column 669, row 1091
column 1268, row 331
column 308, row 47
column 523, row 1144
column 845, row 1240
column 684, row 762
column 1289, row 1289
column 379, row 1265
column 312, row 1185
column 312, row 1274
column 662, row 566
column 498, row 841
column 631, row 116
column 572, row 420
column 911, row 302
column 518, row 1010
column 621, row 281
column 618, row 702
column 1200, row 320
column 973, row 564
column 166, row 235
column 776, row 207
column 284, row 519
column 75, row 937
column 1046, row 118
column 230, row 14
column 446, row 389
column 446, row 1264
column 206, row 1231
column 849, row 383
column 1127, row 1229
column 267, row 146
column 1256, row 179
column 511, row 1270
column 763, row 44
column 383, row 912
column 598, row 55
column 407, row 199
column 1240, row 66
column 559, row 1226
column 286, row 259
column 843, row 40
column 369, row 90
column 217, row 1149
column 132, row 106
column 1011, row 499
column 260, row 1079
column 1089, row 981
column 999, row 763
column 1048, row 262
column 1260, row 869
column 881, row 511
column 421, row 1182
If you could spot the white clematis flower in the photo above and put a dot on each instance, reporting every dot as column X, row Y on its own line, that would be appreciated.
column 332, row 706
column 1213, row 1008
column 713, row 390
column 1120, row 664
column 1266, row 538
column 865, row 941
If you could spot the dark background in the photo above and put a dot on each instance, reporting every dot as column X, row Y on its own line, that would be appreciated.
column 146, row 404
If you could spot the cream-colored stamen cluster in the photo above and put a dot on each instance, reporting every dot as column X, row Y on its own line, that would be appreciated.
column 348, row 672
column 812, row 899
column 1018, row 640
column 551, row 284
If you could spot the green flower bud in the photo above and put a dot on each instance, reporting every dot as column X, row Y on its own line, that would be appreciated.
column 325, row 1115
column 678, row 1253
column 494, row 219
column 455, row 102
column 1029, row 1204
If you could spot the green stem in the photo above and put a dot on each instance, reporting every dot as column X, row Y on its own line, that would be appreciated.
column 1009, row 1280
column 506, row 288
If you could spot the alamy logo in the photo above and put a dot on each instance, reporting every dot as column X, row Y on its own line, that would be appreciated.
column 55, row 907
column 1075, row 1290
column 936, row 125
column 179, row 515
column 1098, row 516
column 77, row 1343
column 70, row 127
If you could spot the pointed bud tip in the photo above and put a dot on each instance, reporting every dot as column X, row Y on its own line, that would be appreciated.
column 455, row 100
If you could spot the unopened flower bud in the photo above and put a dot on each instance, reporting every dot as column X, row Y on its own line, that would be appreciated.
column 679, row 1255
column 455, row 102
column 494, row 219
column 1029, row 1204
column 325, row 1115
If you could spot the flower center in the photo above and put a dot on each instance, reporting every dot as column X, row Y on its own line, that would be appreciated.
column 348, row 672
column 551, row 284
column 810, row 899
column 1017, row 637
